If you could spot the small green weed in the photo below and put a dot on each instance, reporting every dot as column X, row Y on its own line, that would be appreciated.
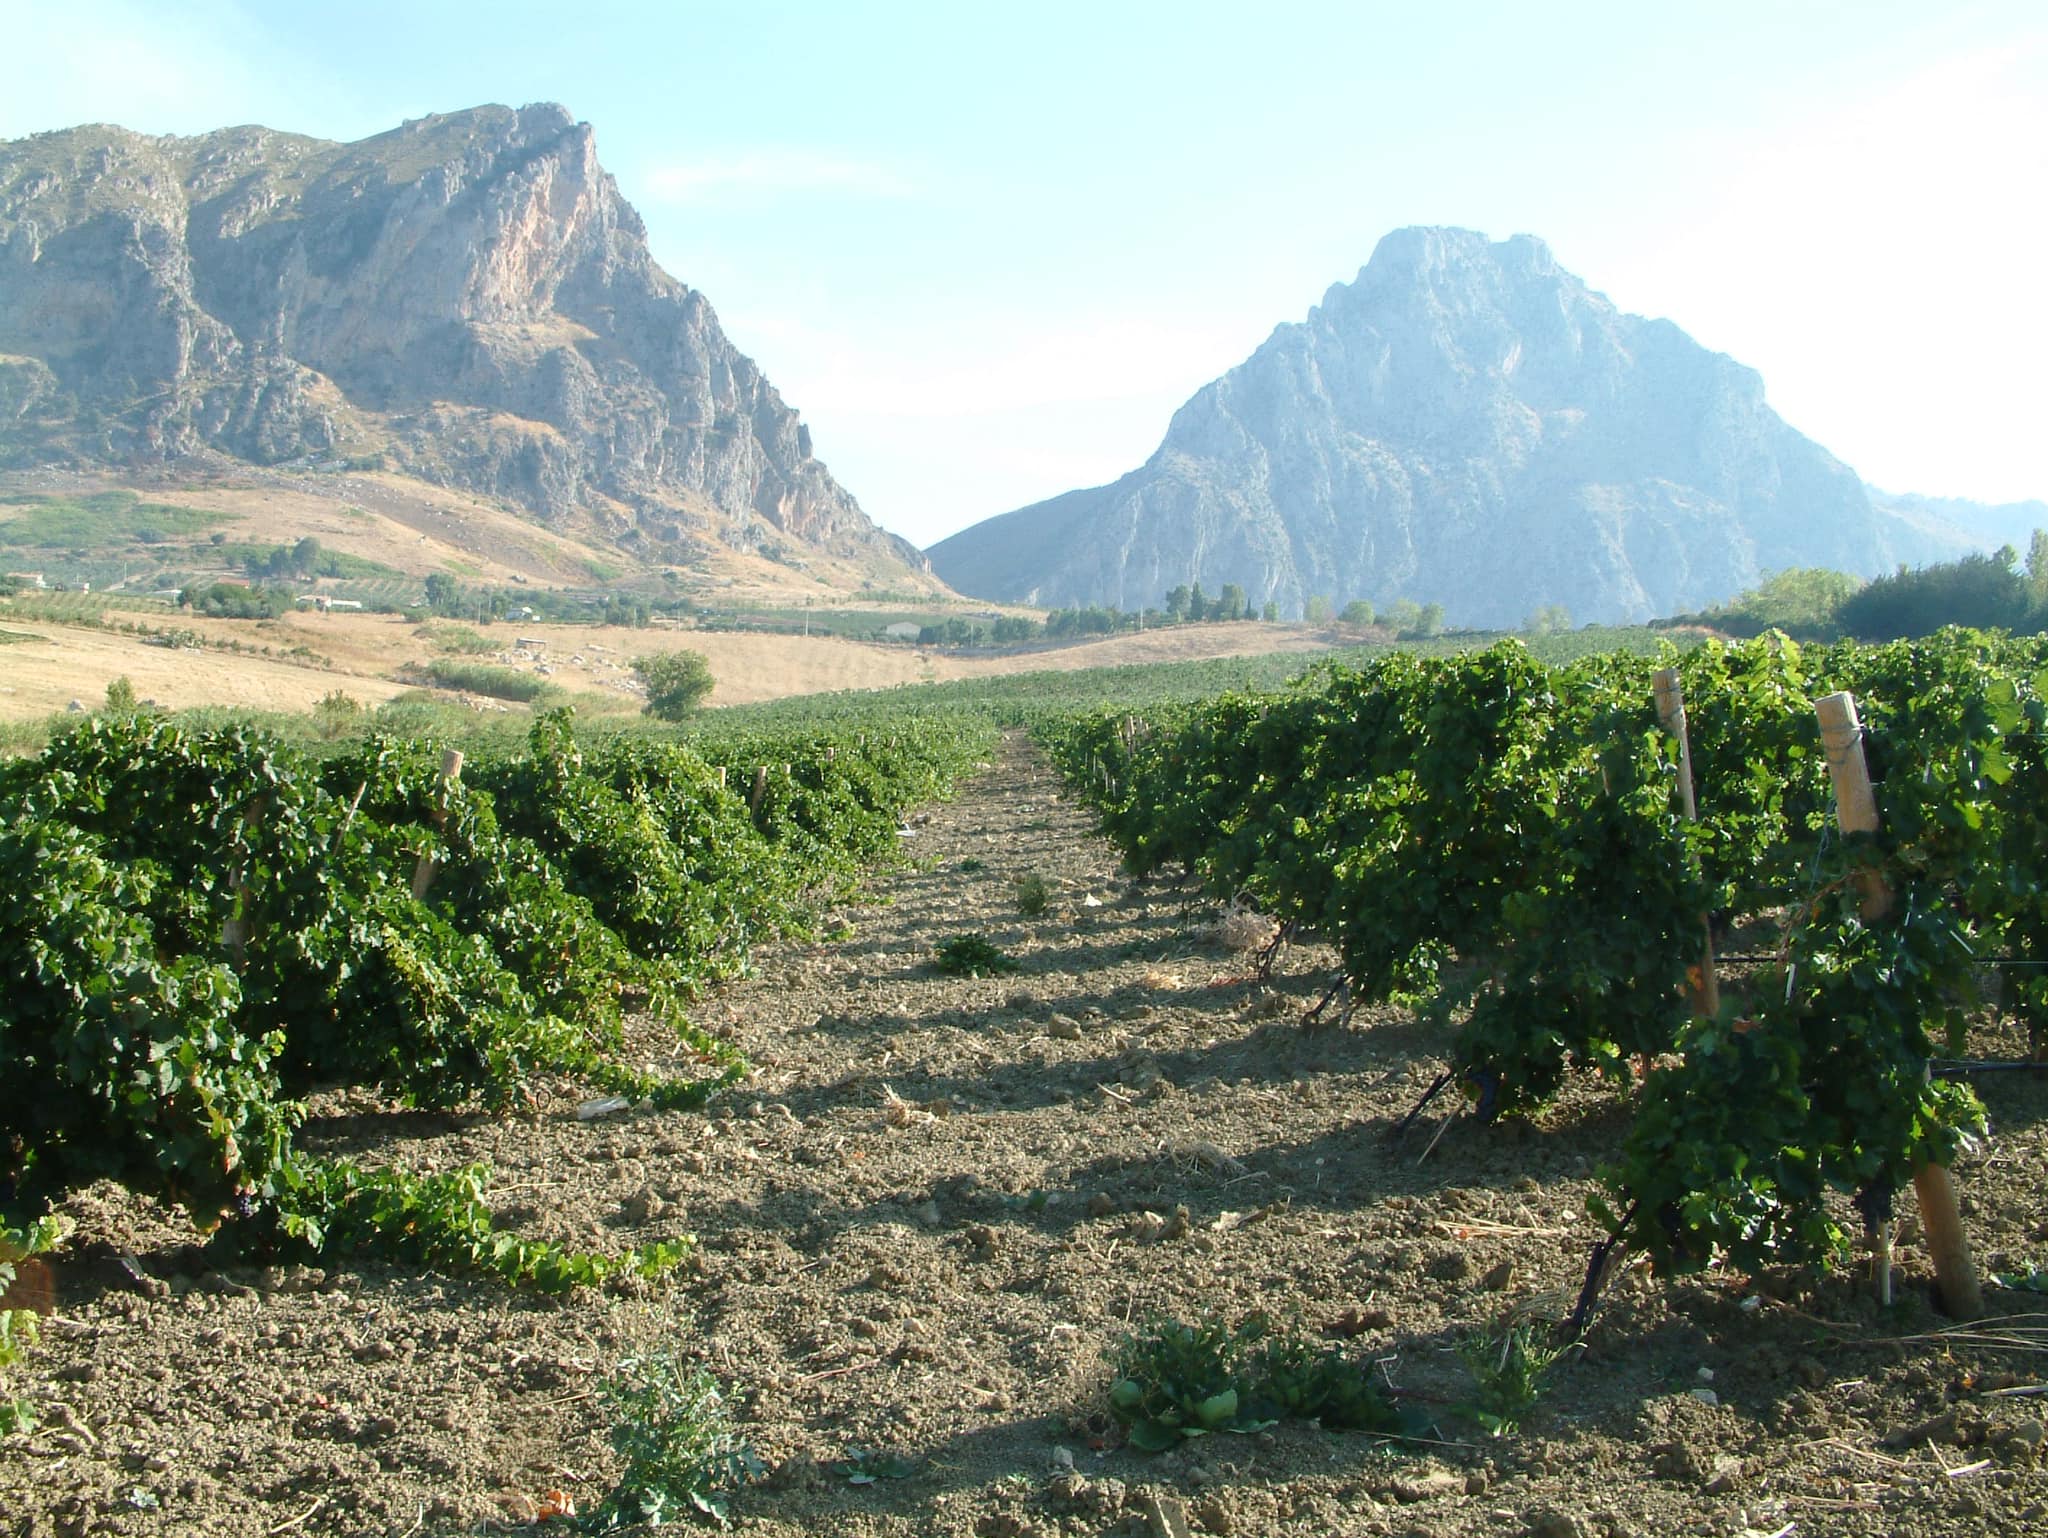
column 1507, row 1373
column 861, row 1466
column 676, row 1435
column 1034, row 894
column 18, row 1325
column 972, row 864
column 1296, row 1379
column 1175, row 1381
column 973, row 955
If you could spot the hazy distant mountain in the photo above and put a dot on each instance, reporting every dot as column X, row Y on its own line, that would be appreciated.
column 466, row 296
column 1973, row 525
column 1468, row 424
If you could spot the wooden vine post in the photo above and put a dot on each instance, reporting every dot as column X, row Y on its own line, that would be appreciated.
column 423, row 873
column 1671, row 711
column 1955, row 1275
column 760, row 788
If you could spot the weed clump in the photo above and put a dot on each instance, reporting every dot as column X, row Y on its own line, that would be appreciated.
column 1507, row 1374
column 1175, row 1381
column 973, row 955
column 676, row 1436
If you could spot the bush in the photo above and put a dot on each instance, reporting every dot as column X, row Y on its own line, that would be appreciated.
column 484, row 678
column 335, row 712
column 677, row 683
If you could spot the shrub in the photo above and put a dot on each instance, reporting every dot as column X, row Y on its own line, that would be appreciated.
column 483, row 678
column 335, row 712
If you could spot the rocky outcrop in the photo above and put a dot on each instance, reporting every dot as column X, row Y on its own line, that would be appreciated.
column 1465, row 424
column 467, row 296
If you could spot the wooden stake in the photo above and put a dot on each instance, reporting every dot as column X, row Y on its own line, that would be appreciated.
column 1671, row 711
column 1955, row 1274
column 423, row 873
column 760, row 788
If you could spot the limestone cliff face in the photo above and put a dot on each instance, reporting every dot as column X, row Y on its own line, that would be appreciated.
column 468, row 295
column 1467, row 424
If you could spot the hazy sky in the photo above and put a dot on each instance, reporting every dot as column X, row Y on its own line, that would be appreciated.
column 987, row 250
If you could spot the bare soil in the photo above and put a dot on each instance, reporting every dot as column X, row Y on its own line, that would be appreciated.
column 937, row 1206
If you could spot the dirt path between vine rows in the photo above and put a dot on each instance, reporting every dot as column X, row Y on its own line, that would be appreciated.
column 937, row 1206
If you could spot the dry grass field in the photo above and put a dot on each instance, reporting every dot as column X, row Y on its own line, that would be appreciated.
column 363, row 655
column 412, row 529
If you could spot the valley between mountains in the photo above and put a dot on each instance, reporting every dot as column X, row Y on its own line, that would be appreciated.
column 926, row 1220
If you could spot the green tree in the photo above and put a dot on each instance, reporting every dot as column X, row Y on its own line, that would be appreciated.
column 677, row 683
column 1318, row 610
column 1404, row 615
column 1549, row 620
column 1231, row 605
column 1357, row 612
column 1271, row 612
column 1177, row 603
column 1804, row 602
column 2037, row 568
column 1983, row 591
column 121, row 696
column 443, row 592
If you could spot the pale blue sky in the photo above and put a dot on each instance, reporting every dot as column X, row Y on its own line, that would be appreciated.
column 986, row 251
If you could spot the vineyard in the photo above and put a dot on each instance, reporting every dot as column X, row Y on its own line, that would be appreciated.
column 1544, row 857
column 1448, row 1100
column 204, row 928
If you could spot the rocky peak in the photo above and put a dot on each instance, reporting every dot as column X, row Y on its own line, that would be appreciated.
column 1465, row 423
column 466, row 296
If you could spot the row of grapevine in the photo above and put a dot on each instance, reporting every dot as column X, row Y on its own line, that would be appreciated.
column 1503, row 839
column 200, row 928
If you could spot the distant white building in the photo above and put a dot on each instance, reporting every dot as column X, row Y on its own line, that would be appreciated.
column 902, row 630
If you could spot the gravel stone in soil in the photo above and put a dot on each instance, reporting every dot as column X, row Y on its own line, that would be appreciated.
column 928, row 1217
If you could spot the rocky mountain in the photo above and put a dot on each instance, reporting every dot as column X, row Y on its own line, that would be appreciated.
column 1466, row 424
column 466, row 299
